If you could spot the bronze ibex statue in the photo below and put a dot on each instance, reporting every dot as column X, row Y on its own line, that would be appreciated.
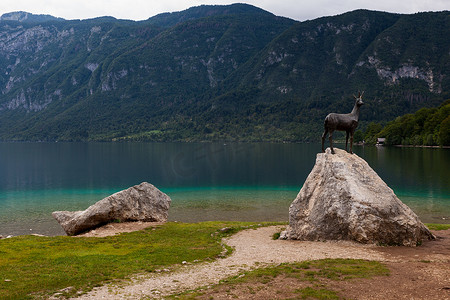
column 343, row 122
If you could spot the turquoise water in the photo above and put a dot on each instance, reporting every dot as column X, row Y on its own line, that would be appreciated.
column 251, row 182
column 30, row 212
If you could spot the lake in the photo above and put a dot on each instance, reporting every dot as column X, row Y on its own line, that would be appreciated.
column 206, row 181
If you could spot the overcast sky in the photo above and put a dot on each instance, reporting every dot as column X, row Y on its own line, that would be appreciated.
column 143, row 9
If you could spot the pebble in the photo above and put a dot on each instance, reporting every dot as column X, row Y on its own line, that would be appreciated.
column 36, row 234
column 225, row 229
column 67, row 289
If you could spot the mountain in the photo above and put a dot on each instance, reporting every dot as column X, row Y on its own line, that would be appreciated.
column 22, row 16
column 233, row 72
column 202, row 11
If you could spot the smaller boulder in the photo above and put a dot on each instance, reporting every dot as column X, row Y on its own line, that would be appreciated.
column 142, row 202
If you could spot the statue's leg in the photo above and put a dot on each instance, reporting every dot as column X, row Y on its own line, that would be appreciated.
column 331, row 142
column 323, row 139
column 346, row 140
column 351, row 143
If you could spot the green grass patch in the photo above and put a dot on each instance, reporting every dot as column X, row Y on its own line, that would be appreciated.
column 276, row 235
column 40, row 266
column 437, row 226
column 309, row 292
column 343, row 269
column 334, row 269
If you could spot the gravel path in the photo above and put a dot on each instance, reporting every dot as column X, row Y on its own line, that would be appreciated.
column 253, row 248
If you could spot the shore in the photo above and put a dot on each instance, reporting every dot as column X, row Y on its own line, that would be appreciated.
column 409, row 272
column 411, row 277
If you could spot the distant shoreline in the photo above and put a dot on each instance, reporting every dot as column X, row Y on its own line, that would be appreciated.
column 400, row 146
column 420, row 146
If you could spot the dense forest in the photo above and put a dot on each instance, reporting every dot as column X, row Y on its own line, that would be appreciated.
column 427, row 127
column 210, row 73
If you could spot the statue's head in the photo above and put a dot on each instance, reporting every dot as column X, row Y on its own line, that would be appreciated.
column 358, row 99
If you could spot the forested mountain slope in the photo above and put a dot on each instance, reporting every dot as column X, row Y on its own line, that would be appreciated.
column 231, row 72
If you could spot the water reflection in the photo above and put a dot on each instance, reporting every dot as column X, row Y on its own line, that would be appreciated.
column 206, row 181
column 411, row 171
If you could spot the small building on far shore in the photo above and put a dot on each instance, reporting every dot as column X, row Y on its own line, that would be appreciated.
column 380, row 141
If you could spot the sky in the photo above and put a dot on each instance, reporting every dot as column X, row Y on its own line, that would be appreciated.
column 299, row 10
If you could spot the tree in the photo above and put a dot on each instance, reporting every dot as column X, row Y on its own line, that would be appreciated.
column 444, row 132
column 358, row 137
column 372, row 132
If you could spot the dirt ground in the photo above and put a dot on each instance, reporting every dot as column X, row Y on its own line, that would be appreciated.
column 406, row 281
column 415, row 272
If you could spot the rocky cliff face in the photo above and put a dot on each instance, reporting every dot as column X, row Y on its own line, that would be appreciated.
column 30, row 51
column 344, row 199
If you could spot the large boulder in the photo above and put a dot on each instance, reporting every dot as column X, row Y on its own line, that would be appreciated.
column 142, row 202
column 343, row 198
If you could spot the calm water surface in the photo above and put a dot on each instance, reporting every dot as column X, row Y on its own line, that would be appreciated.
column 250, row 182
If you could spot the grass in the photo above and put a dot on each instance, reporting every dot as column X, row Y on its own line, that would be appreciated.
column 316, row 293
column 334, row 269
column 33, row 266
column 314, row 274
column 437, row 226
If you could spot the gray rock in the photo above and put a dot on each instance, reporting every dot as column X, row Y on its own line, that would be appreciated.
column 343, row 198
column 142, row 202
